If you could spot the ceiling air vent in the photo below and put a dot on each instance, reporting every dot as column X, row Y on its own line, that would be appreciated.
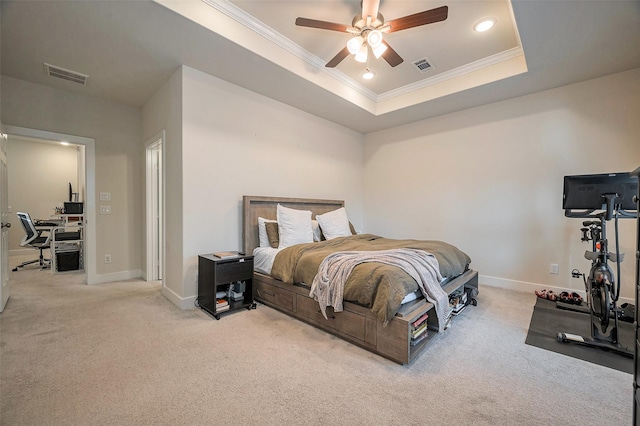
column 423, row 65
column 73, row 76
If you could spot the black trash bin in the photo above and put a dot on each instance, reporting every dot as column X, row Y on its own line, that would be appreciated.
column 68, row 261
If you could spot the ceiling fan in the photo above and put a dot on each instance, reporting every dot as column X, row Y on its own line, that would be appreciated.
column 368, row 27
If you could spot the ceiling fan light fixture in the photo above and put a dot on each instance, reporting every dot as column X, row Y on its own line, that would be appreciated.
column 354, row 44
column 374, row 38
column 484, row 24
column 368, row 74
column 361, row 55
column 367, row 28
column 379, row 50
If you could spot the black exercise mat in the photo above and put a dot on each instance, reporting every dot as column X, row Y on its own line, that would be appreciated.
column 547, row 320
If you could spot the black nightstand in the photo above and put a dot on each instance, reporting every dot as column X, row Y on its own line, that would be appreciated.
column 224, row 274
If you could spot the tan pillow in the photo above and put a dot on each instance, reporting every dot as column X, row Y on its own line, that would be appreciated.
column 272, row 234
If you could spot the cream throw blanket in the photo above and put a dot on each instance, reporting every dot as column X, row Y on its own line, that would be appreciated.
column 328, row 284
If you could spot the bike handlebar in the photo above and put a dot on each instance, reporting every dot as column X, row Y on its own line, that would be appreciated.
column 584, row 214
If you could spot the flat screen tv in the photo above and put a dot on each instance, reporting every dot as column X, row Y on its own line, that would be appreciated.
column 590, row 192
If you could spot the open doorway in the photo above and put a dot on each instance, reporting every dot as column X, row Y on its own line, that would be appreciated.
column 84, row 178
column 43, row 175
column 5, row 223
column 155, row 207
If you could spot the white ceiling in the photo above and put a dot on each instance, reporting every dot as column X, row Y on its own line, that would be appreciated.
column 129, row 48
column 448, row 45
column 462, row 57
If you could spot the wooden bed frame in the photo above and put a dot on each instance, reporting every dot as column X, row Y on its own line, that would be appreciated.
column 356, row 323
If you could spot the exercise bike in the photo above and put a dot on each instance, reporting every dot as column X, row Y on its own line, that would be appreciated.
column 603, row 290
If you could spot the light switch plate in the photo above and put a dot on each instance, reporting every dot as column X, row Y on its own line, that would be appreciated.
column 105, row 196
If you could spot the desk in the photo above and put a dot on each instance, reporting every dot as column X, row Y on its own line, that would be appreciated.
column 67, row 219
column 67, row 243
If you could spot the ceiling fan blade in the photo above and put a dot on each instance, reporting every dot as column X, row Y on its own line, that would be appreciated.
column 338, row 58
column 370, row 8
column 418, row 19
column 391, row 56
column 323, row 25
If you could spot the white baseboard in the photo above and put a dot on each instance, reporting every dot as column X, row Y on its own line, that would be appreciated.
column 184, row 303
column 116, row 276
column 523, row 286
column 21, row 252
column 528, row 287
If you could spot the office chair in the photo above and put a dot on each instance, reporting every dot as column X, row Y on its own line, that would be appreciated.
column 33, row 238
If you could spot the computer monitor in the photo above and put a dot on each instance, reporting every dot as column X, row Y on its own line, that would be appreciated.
column 73, row 207
column 606, row 191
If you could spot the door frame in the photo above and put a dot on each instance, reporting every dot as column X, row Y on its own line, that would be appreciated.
column 5, row 287
column 155, row 263
column 90, row 182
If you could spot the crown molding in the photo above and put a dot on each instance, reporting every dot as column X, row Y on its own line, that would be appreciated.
column 507, row 55
column 285, row 43
column 396, row 98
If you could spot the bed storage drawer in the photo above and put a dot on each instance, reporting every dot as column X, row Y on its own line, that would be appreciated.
column 346, row 322
column 273, row 295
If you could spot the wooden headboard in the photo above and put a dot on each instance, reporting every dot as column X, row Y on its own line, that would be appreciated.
column 266, row 207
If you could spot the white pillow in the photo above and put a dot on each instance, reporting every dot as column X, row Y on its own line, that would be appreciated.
column 334, row 224
column 317, row 233
column 262, row 231
column 294, row 226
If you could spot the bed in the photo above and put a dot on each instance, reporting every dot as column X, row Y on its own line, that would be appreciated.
column 388, row 328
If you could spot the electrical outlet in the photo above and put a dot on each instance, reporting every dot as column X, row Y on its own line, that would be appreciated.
column 554, row 268
column 107, row 258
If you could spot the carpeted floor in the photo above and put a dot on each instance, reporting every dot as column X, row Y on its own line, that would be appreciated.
column 547, row 321
column 120, row 353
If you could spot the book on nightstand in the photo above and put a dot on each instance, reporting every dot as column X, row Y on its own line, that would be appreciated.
column 226, row 254
column 222, row 305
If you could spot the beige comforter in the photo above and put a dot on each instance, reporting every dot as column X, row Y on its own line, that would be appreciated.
column 377, row 286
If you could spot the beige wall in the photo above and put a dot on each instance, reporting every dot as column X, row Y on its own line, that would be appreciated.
column 39, row 177
column 234, row 143
column 117, row 130
column 1, row 128
column 489, row 179
column 164, row 112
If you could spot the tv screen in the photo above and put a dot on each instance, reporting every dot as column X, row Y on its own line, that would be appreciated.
column 586, row 192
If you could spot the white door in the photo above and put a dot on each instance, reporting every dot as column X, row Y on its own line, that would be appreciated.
column 4, row 219
column 155, row 224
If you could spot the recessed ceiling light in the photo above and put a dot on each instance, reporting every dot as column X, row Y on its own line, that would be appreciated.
column 368, row 74
column 484, row 24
